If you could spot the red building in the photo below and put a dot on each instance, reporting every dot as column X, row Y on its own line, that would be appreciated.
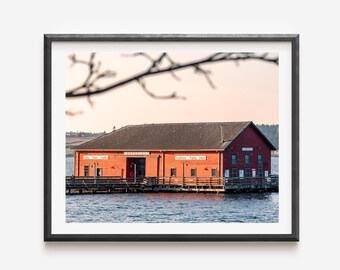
column 228, row 149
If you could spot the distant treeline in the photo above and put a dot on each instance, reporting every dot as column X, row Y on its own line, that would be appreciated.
column 271, row 132
column 80, row 134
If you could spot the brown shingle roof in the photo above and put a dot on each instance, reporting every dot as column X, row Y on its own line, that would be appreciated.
column 175, row 136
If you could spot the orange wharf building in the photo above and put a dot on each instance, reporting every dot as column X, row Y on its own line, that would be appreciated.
column 213, row 149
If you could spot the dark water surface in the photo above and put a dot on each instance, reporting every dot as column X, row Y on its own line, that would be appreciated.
column 172, row 208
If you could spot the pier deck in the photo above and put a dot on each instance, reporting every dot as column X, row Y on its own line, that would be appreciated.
column 82, row 185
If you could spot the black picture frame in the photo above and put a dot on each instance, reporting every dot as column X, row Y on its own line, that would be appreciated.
column 49, row 39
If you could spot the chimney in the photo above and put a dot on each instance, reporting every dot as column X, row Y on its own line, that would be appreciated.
column 222, row 137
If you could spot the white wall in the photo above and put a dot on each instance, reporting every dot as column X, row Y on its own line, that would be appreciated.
column 21, row 62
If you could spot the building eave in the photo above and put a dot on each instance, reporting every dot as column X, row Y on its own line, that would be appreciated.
column 149, row 150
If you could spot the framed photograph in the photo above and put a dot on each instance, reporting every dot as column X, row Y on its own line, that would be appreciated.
column 171, row 137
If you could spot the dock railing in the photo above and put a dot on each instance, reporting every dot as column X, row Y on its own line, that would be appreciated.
column 227, row 184
column 90, row 181
column 190, row 181
column 249, row 183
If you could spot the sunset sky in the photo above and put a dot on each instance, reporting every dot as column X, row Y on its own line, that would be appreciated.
column 245, row 91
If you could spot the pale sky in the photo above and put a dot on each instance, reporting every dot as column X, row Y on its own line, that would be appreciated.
column 247, row 91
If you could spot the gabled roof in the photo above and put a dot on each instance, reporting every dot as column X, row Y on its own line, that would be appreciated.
column 172, row 136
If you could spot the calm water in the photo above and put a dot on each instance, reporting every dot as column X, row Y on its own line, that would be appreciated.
column 172, row 207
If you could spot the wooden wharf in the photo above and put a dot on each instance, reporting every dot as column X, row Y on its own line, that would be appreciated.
column 105, row 184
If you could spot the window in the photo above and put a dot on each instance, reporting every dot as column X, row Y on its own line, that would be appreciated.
column 233, row 159
column 247, row 160
column 173, row 172
column 193, row 172
column 86, row 170
column 259, row 159
column 233, row 172
column 226, row 173
column 247, row 172
column 99, row 172
column 213, row 172
column 259, row 165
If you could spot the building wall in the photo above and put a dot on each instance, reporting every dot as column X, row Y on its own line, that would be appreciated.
column 249, row 138
column 160, row 163
column 115, row 165
column 152, row 165
column 203, row 167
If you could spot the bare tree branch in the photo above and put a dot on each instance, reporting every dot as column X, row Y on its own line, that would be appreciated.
column 153, row 95
column 87, row 88
column 165, row 56
column 206, row 73
column 72, row 113
column 91, row 79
